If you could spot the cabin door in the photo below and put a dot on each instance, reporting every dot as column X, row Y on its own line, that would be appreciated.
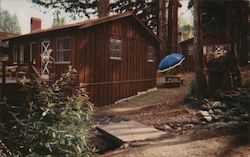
column 45, row 59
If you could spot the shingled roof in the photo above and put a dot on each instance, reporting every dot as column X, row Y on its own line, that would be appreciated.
column 94, row 22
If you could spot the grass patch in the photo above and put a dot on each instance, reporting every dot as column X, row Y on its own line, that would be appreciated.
column 161, row 95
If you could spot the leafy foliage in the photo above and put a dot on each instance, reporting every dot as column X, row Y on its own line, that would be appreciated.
column 56, row 119
column 9, row 23
column 57, row 21
column 146, row 10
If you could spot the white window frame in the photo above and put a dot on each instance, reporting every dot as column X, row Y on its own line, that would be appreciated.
column 117, row 41
column 15, row 54
column 150, row 51
column 31, row 54
column 61, row 51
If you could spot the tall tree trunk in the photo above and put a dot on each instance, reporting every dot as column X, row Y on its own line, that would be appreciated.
column 170, row 15
column 176, row 5
column 162, row 27
column 103, row 8
column 233, row 64
column 242, row 9
column 201, row 81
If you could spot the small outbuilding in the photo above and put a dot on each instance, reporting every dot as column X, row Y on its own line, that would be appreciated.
column 114, row 55
column 211, row 45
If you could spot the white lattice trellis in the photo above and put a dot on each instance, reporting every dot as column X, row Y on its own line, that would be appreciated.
column 45, row 59
column 220, row 50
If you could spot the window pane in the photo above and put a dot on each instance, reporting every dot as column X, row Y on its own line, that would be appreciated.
column 150, row 53
column 66, row 56
column 209, row 48
column 115, row 48
column 66, row 43
column 190, row 49
column 63, row 50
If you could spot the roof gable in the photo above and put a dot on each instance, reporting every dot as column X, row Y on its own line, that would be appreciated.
column 207, row 39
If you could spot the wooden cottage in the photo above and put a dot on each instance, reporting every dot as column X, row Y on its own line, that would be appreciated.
column 211, row 44
column 114, row 55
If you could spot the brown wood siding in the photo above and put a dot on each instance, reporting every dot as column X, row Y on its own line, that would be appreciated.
column 50, row 36
column 106, row 80
column 109, row 80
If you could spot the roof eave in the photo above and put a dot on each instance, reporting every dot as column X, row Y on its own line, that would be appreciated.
column 94, row 22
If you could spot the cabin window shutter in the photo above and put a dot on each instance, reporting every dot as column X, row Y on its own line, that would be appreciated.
column 115, row 49
column 151, row 53
column 63, row 50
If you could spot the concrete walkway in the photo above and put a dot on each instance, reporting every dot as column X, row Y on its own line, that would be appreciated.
column 129, row 131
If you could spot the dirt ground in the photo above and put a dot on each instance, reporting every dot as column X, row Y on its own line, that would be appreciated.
column 223, row 146
column 166, row 107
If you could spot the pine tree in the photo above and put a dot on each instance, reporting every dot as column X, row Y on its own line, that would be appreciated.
column 9, row 23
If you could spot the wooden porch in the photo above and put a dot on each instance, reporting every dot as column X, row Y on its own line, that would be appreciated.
column 11, row 73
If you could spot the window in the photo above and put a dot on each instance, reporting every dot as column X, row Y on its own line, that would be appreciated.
column 15, row 54
column 210, row 49
column 63, row 50
column 33, row 52
column 190, row 49
column 116, row 49
column 151, row 53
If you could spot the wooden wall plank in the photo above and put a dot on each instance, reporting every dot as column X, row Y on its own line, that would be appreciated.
column 108, row 80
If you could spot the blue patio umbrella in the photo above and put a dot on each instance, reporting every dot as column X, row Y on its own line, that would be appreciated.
column 170, row 61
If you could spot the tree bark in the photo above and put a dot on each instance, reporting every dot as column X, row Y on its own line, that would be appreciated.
column 176, row 6
column 162, row 27
column 233, row 54
column 170, row 15
column 103, row 8
column 242, row 9
column 201, row 82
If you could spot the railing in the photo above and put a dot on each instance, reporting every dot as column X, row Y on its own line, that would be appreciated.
column 36, row 71
column 12, row 72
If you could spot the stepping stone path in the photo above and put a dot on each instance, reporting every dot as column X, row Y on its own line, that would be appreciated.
column 126, row 130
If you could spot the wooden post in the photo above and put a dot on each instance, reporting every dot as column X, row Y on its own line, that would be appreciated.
column 3, row 78
column 3, row 73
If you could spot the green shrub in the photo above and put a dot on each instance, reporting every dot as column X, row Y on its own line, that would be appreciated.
column 56, row 119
